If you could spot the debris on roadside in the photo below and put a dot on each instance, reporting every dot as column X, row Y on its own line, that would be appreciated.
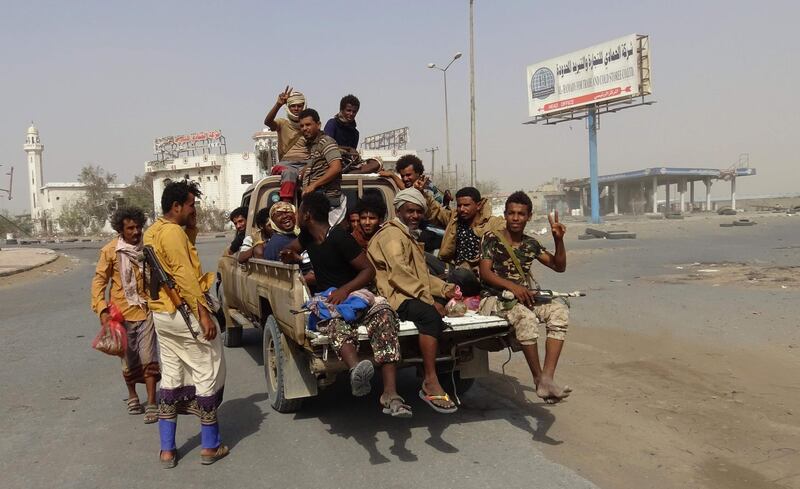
column 591, row 233
column 740, row 222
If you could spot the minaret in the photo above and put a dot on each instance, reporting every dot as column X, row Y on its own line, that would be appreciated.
column 34, row 148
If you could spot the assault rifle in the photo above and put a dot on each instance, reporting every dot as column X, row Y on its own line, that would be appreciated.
column 160, row 278
column 545, row 296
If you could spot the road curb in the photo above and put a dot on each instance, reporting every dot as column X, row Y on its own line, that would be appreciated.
column 50, row 260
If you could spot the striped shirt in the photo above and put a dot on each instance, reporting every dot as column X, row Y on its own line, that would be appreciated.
column 321, row 152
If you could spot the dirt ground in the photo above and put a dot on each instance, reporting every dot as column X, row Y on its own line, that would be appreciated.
column 659, row 401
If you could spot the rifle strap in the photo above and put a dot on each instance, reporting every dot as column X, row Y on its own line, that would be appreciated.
column 510, row 250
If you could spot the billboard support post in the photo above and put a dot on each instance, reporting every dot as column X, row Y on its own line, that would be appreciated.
column 593, row 174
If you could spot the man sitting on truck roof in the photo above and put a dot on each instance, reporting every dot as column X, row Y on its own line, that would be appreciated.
column 324, row 170
column 506, row 259
column 343, row 272
column 292, row 150
column 403, row 278
column 371, row 211
column 342, row 128
column 410, row 169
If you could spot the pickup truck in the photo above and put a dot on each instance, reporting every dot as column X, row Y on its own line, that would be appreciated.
column 298, row 362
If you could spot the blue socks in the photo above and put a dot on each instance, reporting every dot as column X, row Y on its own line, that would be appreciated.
column 209, row 436
column 167, row 428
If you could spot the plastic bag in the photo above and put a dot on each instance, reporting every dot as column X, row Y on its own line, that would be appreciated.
column 112, row 339
column 456, row 307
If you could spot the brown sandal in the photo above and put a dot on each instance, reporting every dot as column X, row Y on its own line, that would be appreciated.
column 396, row 407
column 222, row 452
column 151, row 414
column 134, row 406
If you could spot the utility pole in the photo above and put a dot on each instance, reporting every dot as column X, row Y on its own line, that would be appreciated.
column 432, row 151
column 473, row 150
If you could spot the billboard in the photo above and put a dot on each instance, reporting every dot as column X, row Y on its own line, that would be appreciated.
column 610, row 71
column 394, row 139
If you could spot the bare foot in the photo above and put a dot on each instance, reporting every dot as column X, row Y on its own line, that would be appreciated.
column 550, row 391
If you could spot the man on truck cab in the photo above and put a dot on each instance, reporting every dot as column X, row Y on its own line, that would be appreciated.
column 343, row 272
column 324, row 170
column 292, row 150
column 342, row 128
column 402, row 277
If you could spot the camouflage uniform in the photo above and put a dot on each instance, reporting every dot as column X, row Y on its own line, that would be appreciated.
column 524, row 321
column 382, row 325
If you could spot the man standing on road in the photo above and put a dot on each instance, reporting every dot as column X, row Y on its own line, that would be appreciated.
column 120, row 263
column 506, row 259
column 193, row 369
column 292, row 150
column 403, row 278
column 343, row 272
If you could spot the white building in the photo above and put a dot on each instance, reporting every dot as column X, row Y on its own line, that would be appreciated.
column 223, row 178
column 47, row 200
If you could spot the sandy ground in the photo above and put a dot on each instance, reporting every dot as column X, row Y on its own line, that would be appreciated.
column 59, row 266
column 705, row 401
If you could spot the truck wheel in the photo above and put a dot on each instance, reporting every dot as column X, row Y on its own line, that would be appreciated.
column 231, row 332
column 274, row 358
column 220, row 314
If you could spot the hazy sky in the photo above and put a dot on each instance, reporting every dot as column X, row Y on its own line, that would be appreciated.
column 102, row 79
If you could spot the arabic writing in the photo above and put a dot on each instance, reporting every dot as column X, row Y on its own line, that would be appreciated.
column 597, row 81
column 587, row 62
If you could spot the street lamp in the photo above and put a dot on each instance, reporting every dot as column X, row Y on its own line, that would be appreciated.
column 446, row 119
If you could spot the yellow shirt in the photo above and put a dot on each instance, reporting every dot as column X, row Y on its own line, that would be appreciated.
column 176, row 253
column 107, row 270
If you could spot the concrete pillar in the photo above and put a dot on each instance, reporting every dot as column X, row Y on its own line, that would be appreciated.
column 616, row 198
column 667, row 203
column 707, row 181
column 691, row 196
column 682, row 190
column 655, row 194
column 733, row 193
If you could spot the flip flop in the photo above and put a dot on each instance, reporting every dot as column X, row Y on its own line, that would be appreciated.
column 222, row 452
column 396, row 407
column 134, row 406
column 360, row 375
column 439, row 409
column 151, row 414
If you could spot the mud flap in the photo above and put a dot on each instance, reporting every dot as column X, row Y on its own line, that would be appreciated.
column 477, row 367
column 298, row 381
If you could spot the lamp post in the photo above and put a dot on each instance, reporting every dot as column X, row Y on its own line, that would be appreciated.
column 446, row 119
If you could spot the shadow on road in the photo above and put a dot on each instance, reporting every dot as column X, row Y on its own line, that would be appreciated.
column 238, row 419
column 360, row 419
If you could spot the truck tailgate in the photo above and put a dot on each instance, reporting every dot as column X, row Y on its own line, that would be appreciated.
column 470, row 322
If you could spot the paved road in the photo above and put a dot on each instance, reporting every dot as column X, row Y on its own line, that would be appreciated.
column 64, row 422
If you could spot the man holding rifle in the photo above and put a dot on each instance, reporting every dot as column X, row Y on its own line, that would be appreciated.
column 193, row 367
column 505, row 269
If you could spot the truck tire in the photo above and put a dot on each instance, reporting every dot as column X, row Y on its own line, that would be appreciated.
column 220, row 314
column 274, row 358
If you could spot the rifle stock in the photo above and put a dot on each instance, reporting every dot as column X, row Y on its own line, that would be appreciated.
column 163, row 280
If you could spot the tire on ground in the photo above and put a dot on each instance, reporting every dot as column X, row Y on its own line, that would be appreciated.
column 462, row 385
column 274, row 360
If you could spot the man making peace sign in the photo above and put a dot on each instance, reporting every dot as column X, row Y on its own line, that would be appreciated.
column 506, row 259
